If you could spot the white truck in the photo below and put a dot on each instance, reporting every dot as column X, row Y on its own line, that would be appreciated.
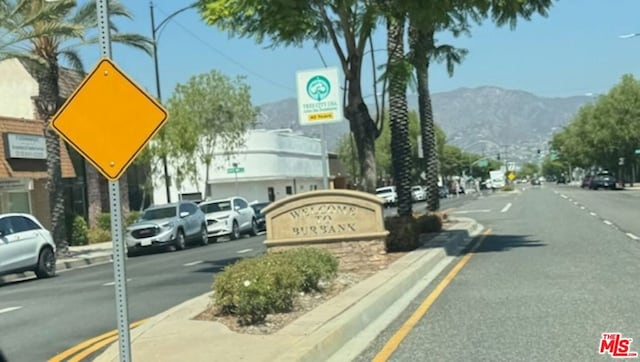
column 498, row 179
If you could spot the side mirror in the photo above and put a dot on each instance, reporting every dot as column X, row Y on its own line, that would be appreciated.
column 237, row 207
column 184, row 214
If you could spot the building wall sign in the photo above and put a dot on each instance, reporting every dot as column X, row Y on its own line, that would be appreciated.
column 8, row 185
column 25, row 146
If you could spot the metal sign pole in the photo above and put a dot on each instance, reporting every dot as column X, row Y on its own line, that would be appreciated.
column 325, row 161
column 119, row 269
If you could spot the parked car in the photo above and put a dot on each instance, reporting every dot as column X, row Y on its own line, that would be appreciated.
column 260, row 221
column 444, row 192
column 418, row 193
column 167, row 226
column 230, row 217
column 603, row 180
column 25, row 245
column 586, row 182
column 388, row 193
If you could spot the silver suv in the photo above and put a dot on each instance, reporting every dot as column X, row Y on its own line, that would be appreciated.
column 171, row 225
column 25, row 245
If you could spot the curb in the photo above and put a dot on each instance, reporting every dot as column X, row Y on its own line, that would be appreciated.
column 322, row 343
column 63, row 265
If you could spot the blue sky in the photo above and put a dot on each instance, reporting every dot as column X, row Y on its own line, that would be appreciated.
column 575, row 50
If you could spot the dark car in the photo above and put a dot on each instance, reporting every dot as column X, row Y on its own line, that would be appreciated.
column 561, row 180
column 586, row 181
column 257, row 207
column 603, row 180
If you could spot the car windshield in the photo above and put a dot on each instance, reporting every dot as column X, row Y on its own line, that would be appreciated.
column 159, row 213
column 258, row 207
column 416, row 188
column 383, row 191
column 216, row 206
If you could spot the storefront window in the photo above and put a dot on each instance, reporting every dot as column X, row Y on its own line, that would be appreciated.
column 19, row 202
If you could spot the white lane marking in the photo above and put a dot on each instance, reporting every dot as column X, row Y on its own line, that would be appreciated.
column 564, row 196
column 244, row 251
column 506, row 208
column 607, row 222
column 575, row 202
column 113, row 283
column 633, row 236
column 582, row 207
column 10, row 309
column 470, row 211
column 593, row 214
column 193, row 263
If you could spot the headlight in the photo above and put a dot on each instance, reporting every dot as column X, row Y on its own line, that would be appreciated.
column 223, row 217
column 168, row 225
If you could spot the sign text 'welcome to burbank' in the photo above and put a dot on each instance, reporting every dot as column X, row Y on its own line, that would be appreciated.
column 324, row 219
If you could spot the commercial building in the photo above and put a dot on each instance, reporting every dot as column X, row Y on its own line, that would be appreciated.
column 271, row 165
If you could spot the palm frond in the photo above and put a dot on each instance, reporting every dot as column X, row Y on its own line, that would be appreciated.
column 72, row 58
column 133, row 40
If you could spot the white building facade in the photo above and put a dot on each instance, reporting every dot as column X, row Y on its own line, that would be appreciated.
column 272, row 165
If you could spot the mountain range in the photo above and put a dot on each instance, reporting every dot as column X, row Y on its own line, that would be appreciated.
column 482, row 119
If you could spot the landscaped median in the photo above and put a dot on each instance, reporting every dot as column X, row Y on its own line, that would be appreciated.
column 181, row 334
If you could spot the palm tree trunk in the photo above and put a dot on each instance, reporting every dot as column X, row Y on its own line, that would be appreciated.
column 47, row 103
column 420, row 41
column 399, row 115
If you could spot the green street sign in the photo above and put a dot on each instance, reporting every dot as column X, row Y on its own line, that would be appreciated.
column 637, row 151
column 235, row 170
column 483, row 163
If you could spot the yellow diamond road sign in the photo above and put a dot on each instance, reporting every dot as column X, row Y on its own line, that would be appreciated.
column 511, row 176
column 109, row 119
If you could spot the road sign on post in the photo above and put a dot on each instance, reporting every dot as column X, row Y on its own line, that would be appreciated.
column 319, row 103
column 109, row 120
column 235, row 170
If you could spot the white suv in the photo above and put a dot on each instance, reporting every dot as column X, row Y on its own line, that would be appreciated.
column 229, row 217
column 389, row 195
column 25, row 245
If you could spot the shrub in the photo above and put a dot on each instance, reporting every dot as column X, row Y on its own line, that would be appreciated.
column 98, row 235
column 253, row 288
column 132, row 218
column 403, row 233
column 103, row 221
column 507, row 188
column 429, row 223
column 79, row 231
column 312, row 264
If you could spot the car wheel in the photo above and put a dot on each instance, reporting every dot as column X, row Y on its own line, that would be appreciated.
column 204, row 237
column 180, row 242
column 235, row 231
column 254, row 228
column 132, row 252
column 46, row 267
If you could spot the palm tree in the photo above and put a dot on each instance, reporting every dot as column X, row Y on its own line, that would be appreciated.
column 423, row 25
column 41, row 33
column 398, row 111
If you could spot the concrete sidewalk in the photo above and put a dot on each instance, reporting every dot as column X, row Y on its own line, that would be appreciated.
column 325, row 333
column 79, row 256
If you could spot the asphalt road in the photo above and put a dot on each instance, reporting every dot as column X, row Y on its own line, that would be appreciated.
column 41, row 318
column 450, row 202
column 543, row 286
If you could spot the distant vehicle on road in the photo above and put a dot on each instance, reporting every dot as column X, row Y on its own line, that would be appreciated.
column 167, row 226
column 603, row 180
column 230, row 217
column 25, row 245
column 586, row 181
column 257, row 208
column 535, row 182
column 418, row 193
column 388, row 193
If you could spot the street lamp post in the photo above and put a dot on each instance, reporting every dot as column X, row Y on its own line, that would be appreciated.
column 154, row 31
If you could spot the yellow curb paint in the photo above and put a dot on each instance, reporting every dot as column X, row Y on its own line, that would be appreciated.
column 394, row 342
column 89, row 342
column 85, row 353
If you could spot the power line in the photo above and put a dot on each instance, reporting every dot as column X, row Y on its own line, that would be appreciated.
column 230, row 59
